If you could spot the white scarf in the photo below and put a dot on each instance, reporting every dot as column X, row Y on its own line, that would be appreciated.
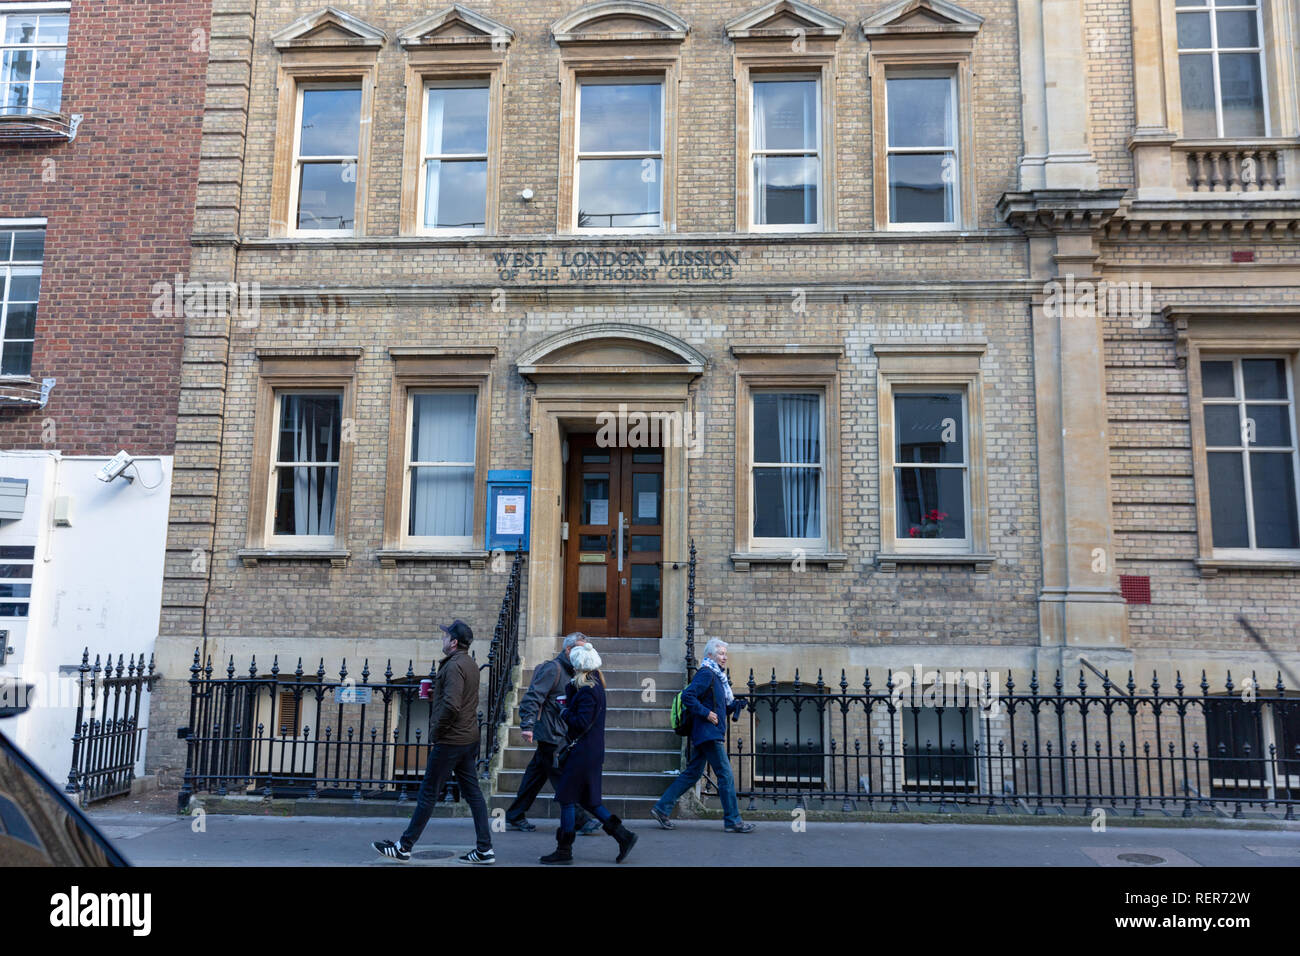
column 712, row 665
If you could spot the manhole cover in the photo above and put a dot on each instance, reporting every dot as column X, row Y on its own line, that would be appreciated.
column 1142, row 859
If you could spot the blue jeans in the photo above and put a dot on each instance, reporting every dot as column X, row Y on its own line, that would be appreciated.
column 569, row 815
column 713, row 753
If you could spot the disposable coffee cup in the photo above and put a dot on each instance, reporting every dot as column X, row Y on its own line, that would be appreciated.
column 426, row 686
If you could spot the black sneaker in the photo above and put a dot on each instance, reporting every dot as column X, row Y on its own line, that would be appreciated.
column 391, row 851
column 474, row 856
column 522, row 825
column 662, row 818
column 742, row 828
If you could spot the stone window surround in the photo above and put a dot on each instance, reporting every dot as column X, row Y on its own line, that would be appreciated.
column 299, row 68
column 609, row 55
column 1237, row 331
column 765, row 44
column 890, row 58
column 419, row 368
column 428, row 61
column 810, row 367
column 1158, row 146
column 764, row 58
column 290, row 369
column 952, row 366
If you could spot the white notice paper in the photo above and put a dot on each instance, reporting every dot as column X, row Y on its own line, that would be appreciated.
column 510, row 514
column 647, row 505
column 599, row 511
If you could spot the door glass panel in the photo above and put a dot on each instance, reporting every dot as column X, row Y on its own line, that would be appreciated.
column 591, row 590
column 595, row 457
column 646, row 495
column 593, row 542
column 647, row 457
column 595, row 499
column 644, row 585
column 645, row 542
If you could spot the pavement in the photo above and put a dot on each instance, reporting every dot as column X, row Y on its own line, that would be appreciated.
column 160, row 839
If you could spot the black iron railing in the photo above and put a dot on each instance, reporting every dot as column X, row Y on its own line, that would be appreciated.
column 943, row 739
column 503, row 657
column 107, row 737
column 690, row 616
column 308, row 734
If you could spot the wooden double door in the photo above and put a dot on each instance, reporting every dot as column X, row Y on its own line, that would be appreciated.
column 613, row 563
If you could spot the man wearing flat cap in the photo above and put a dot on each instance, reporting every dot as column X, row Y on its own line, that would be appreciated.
column 455, row 749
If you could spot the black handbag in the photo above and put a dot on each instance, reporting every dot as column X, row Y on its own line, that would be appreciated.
column 563, row 748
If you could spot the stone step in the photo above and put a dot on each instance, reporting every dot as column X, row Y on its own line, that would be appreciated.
column 626, row 718
column 631, row 761
column 618, row 783
column 617, row 738
column 545, row 808
column 631, row 678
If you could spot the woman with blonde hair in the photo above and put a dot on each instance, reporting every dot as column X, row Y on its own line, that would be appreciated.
column 583, row 758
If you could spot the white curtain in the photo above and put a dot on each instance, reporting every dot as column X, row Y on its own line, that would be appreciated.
column 760, row 161
column 433, row 172
column 442, row 497
column 315, row 439
column 799, row 435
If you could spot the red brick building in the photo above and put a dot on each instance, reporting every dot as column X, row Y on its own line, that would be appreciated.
column 101, row 111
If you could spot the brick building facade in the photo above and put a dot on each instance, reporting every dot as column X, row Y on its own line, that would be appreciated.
column 100, row 125
column 908, row 452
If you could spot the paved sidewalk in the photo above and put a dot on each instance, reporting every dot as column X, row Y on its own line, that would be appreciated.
column 164, row 840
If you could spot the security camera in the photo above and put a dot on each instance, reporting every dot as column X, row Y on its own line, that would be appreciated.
column 114, row 467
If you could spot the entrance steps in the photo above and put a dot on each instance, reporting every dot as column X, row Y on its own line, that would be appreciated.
column 642, row 754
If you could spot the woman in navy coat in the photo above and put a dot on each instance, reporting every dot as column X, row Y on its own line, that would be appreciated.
column 584, row 718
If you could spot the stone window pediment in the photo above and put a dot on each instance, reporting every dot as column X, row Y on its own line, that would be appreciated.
column 328, row 28
column 611, row 349
column 784, row 18
column 455, row 26
column 620, row 21
column 909, row 17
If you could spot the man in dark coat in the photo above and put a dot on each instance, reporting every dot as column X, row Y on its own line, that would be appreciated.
column 455, row 749
column 709, row 700
column 540, row 722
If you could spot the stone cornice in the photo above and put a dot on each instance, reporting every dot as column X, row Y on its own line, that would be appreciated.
column 563, row 240
column 1043, row 212
column 1226, row 219
column 665, row 294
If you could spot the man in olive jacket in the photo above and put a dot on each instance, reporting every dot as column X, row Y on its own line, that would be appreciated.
column 455, row 749
column 540, row 723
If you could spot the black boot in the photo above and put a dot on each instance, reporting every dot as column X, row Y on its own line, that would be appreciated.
column 625, row 837
column 563, row 854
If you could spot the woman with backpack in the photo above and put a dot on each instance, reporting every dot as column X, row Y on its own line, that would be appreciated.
column 709, row 700
column 583, row 758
